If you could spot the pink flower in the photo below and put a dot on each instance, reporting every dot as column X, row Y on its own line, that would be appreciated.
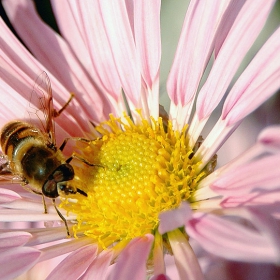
column 154, row 188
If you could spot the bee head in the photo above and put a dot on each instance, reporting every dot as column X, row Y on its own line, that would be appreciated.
column 58, row 182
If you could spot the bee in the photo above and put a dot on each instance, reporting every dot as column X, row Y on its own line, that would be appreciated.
column 31, row 151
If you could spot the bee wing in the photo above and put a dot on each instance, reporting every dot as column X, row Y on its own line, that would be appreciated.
column 40, row 109
column 6, row 174
column 10, row 178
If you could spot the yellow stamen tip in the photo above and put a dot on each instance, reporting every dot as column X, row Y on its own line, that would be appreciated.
column 146, row 170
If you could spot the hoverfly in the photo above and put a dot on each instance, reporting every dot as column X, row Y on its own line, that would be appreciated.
column 32, row 155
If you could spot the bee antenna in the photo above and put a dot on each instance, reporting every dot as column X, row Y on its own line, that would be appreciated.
column 81, row 192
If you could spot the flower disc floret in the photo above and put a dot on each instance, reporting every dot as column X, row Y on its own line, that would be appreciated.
column 142, row 170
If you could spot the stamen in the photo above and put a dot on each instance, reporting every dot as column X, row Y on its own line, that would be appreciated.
column 141, row 170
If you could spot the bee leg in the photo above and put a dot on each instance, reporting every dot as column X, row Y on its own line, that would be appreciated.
column 57, row 113
column 72, row 138
column 44, row 203
column 24, row 183
column 4, row 166
column 83, row 160
column 6, row 172
column 62, row 218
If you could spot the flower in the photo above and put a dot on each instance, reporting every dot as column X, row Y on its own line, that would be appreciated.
column 152, row 188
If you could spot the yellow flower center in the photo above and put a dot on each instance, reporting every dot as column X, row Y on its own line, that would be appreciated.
column 142, row 170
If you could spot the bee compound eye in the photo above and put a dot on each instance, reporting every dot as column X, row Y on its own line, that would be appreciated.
column 64, row 172
column 50, row 189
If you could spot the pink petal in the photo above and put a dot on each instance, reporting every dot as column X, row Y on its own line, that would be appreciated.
column 132, row 260
column 185, row 259
column 226, row 23
column 72, row 26
column 74, row 264
column 8, row 195
column 242, row 35
column 54, row 54
column 32, row 205
column 45, row 235
column 16, row 261
column 256, row 84
column 14, row 239
column 65, row 247
column 19, row 104
column 214, row 140
column 173, row 219
column 263, row 174
column 264, row 223
column 20, row 70
column 147, row 38
column 98, row 268
column 17, row 55
column 160, row 277
column 148, row 47
column 158, row 255
column 267, row 142
column 253, row 152
column 193, row 51
column 269, row 202
column 91, row 45
column 270, row 137
column 25, row 210
column 230, row 240
column 114, row 22
column 37, row 35
column 17, row 86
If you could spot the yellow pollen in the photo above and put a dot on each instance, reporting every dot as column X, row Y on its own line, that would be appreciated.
column 142, row 170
